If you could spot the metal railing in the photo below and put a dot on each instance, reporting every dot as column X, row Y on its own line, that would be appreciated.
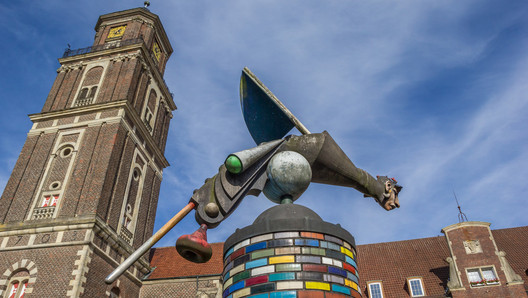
column 102, row 47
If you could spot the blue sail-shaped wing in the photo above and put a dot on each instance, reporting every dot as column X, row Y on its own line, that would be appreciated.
column 265, row 119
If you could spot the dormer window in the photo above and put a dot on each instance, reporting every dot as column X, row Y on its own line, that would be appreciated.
column 416, row 287
column 482, row 276
column 375, row 289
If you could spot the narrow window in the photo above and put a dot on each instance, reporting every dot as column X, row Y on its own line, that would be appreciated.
column 84, row 93
column 148, row 119
column 50, row 200
column 92, row 92
column 17, row 285
column 416, row 287
column 375, row 290
column 13, row 290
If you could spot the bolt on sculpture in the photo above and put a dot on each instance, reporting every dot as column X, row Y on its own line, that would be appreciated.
column 280, row 167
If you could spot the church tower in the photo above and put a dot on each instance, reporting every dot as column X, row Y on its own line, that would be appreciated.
column 83, row 193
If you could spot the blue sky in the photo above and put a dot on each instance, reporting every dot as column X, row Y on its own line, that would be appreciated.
column 434, row 93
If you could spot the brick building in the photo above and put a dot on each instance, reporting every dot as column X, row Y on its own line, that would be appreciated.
column 469, row 261
column 84, row 190
column 83, row 195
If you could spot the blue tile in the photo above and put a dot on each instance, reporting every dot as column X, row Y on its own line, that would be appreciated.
column 337, row 271
column 288, row 294
column 341, row 289
column 307, row 242
column 334, row 246
column 256, row 246
column 257, row 263
column 230, row 251
column 281, row 276
column 239, row 285
column 352, row 277
column 265, row 295
column 240, row 260
column 350, row 261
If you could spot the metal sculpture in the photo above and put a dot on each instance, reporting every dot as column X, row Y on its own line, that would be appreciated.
column 281, row 168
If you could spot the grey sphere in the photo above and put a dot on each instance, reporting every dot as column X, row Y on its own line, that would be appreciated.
column 289, row 174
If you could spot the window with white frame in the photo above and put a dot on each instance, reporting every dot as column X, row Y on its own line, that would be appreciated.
column 375, row 289
column 17, row 286
column 416, row 286
column 482, row 276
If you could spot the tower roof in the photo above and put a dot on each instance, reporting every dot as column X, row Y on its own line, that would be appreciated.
column 141, row 11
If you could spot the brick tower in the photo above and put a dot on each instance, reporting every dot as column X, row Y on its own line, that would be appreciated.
column 83, row 193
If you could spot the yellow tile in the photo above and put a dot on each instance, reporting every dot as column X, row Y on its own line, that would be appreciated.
column 281, row 259
column 242, row 293
column 351, row 284
column 228, row 283
column 347, row 252
column 354, row 285
column 318, row 285
column 348, row 282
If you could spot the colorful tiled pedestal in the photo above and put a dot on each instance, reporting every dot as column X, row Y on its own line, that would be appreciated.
column 289, row 251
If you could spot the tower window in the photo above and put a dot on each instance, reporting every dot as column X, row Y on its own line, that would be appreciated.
column 375, row 289
column 17, row 285
column 148, row 119
column 416, row 287
column 50, row 200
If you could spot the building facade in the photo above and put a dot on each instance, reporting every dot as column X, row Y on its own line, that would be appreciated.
column 469, row 261
column 83, row 195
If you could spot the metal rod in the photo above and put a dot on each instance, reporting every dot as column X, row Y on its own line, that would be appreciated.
column 149, row 243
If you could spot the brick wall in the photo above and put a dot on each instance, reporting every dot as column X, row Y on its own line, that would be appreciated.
column 472, row 246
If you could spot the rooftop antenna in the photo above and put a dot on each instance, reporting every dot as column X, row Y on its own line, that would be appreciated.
column 147, row 4
column 461, row 216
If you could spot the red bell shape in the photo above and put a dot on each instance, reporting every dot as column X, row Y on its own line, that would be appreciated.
column 194, row 247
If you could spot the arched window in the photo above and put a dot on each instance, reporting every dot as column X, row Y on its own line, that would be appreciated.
column 89, row 87
column 17, row 284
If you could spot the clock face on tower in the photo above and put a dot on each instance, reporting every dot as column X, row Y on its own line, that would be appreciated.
column 156, row 50
column 116, row 31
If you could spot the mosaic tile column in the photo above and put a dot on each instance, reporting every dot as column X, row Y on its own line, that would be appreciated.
column 289, row 251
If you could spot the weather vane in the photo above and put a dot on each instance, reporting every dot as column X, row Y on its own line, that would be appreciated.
column 280, row 167
column 461, row 215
